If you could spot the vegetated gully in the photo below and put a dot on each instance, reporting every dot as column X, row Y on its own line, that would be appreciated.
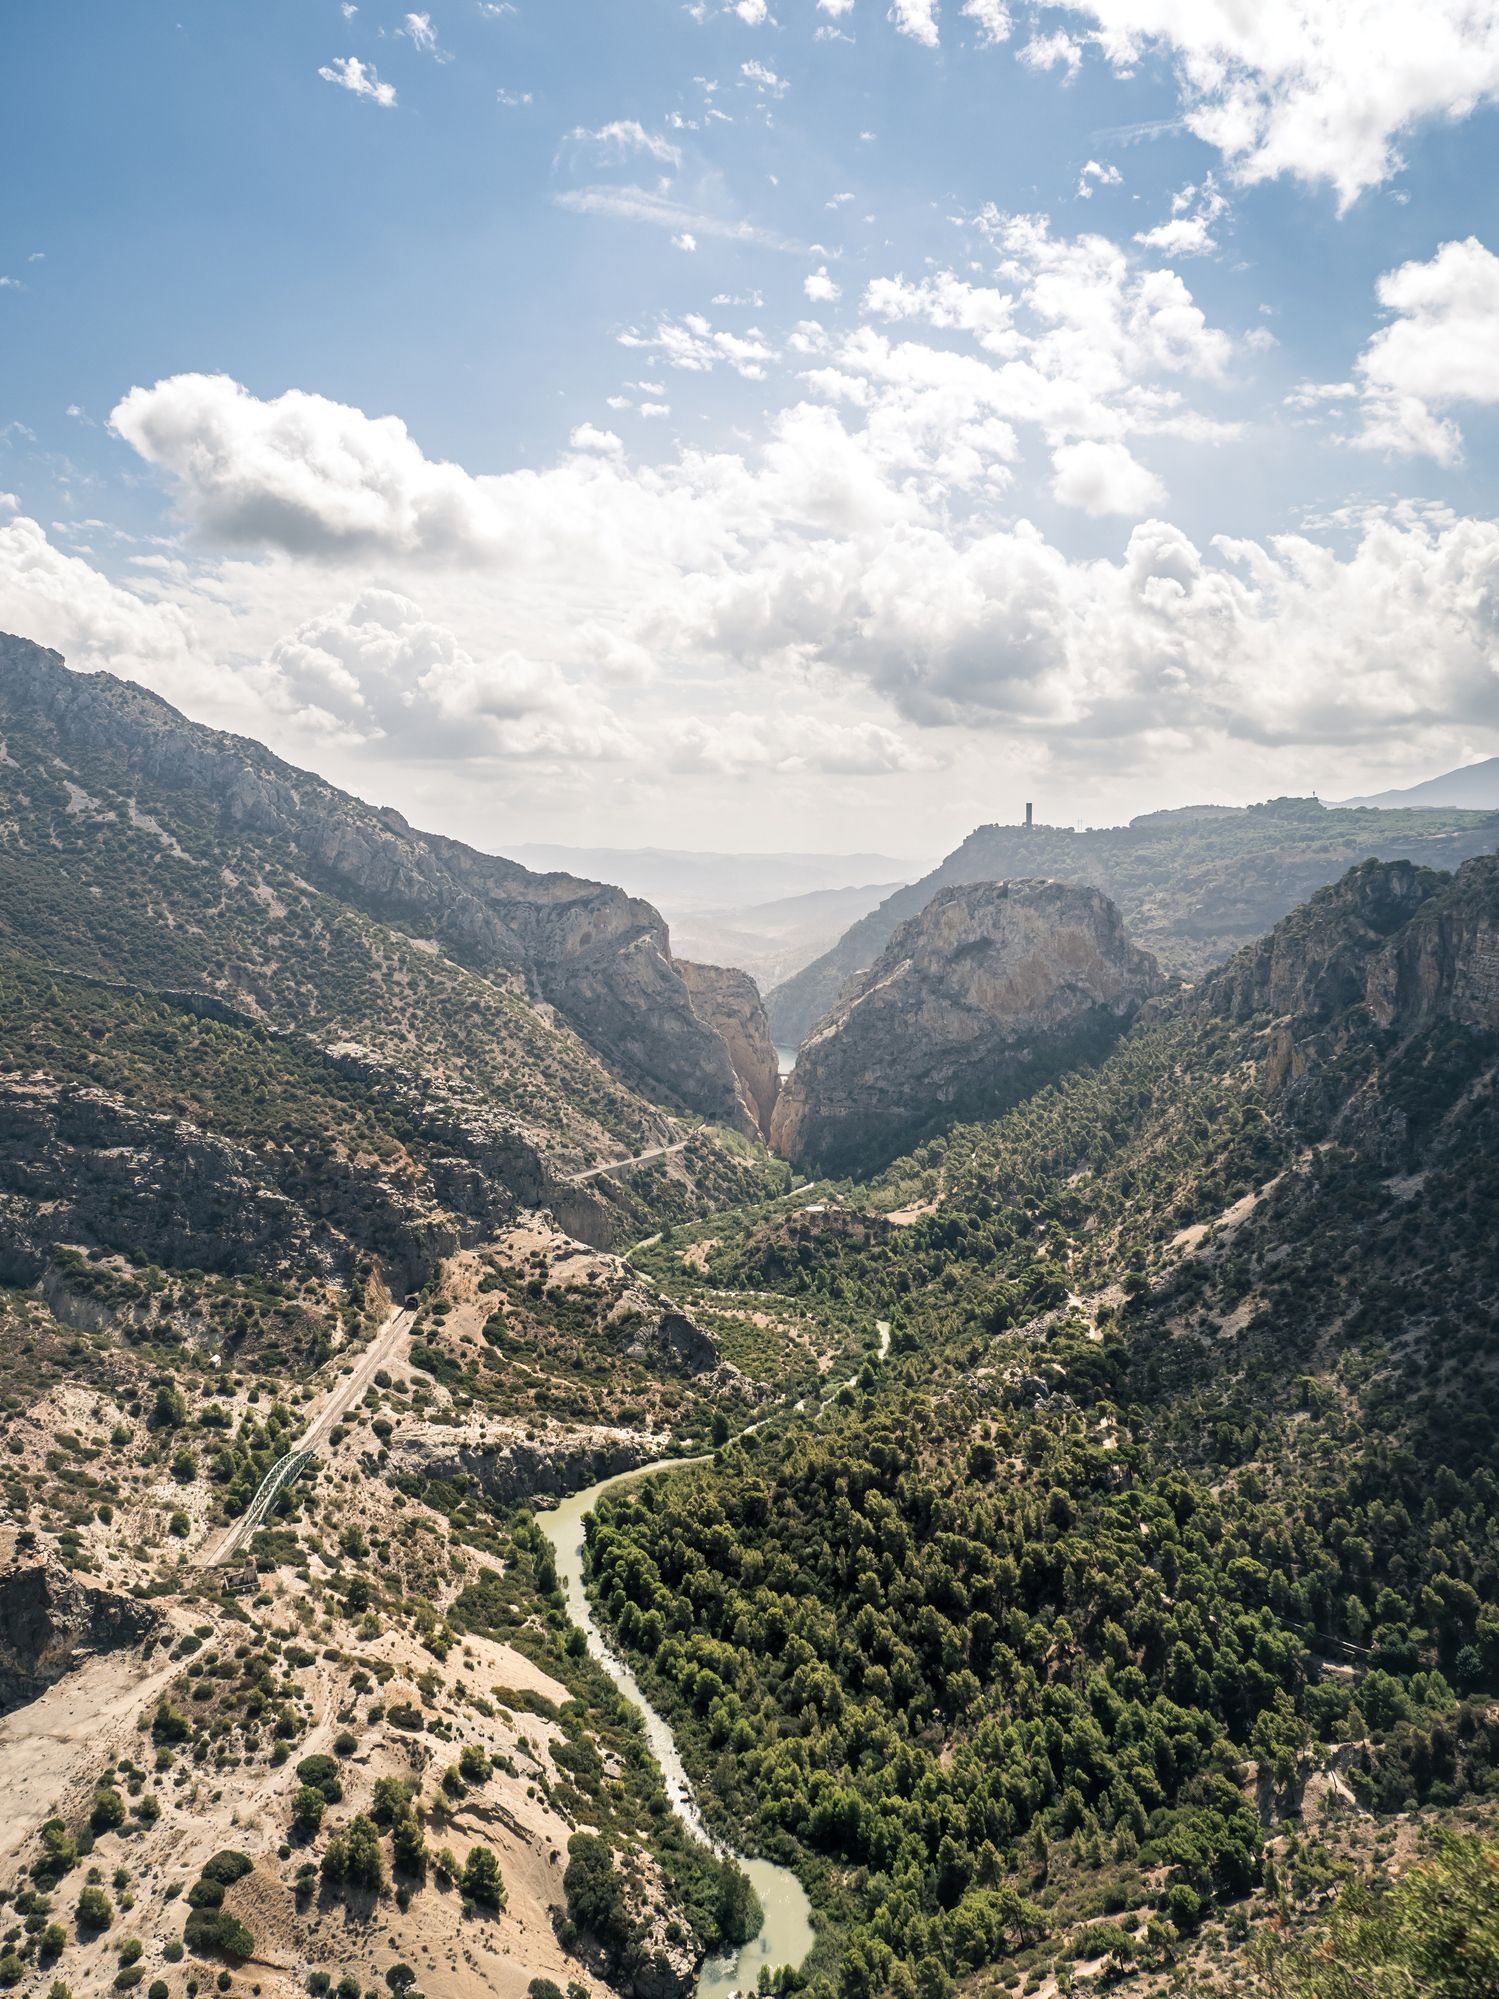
column 786, row 1935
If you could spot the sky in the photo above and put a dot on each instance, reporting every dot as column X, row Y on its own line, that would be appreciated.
column 765, row 424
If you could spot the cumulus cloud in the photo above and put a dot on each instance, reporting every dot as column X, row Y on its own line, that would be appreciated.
column 1188, row 232
column 302, row 472
column 991, row 18
column 834, row 550
column 820, row 288
column 1440, row 348
column 918, row 19
column 1103, row 478
column 1094, row 174
column 1319, row 89
column 64, row 602
column 349, row 73
column 1077, row 338
column 376, row 670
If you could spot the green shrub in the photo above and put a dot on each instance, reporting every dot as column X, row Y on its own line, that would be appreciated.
column 95, row 1910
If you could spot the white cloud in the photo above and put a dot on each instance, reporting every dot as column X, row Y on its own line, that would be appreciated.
column 1441, row 348
column 512, row 98
column 695, row 344
column 349, row 73
column 1054, row 51
column 835, row 7
column 685, row 241
column 586, row 437
column 640, row 204
column 419, row 31
column 62, row 601
column 1194, row 212
column 833, row 553
column 628, row 135
column 918, row 19
column 1439, row 351
column 753, row 13
column 764, row 79
column 1103, row 176
column 1103, row 478
column 1319, row 89
column 820, row 288
column 992, row 19
column 301, row 472
column 377, row 670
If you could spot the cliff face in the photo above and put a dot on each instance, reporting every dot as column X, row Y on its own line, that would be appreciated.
column 600, row 957
column 729, row 1002
column 1376, row 960
column 973, row 1001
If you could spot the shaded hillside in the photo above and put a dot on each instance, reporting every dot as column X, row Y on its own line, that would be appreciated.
column 141, row 845
column 1191, row 885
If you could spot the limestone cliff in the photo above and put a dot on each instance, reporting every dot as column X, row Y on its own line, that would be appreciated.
column 729, row 1002
column 971, row 1003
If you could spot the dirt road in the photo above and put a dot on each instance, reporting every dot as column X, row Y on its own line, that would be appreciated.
column 640, row 1159
column 345, row 1392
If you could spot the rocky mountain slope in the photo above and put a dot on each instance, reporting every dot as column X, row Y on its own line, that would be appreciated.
column 183, row 829
column 972, row 1003
column 1192, row 885
column 253, row 1025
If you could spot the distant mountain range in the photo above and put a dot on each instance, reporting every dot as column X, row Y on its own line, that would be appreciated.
column 1473, row 788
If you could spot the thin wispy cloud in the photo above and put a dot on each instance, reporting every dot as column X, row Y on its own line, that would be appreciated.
column 663, row 211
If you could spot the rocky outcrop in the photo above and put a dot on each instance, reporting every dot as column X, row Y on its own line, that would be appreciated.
column 1381, row 957
column 729, row 1002
column 508, row 1464
column 49, row 1621
column 602, row 958
column 973, row 1002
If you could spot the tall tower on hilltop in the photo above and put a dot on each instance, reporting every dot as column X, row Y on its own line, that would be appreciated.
column 1029, row 815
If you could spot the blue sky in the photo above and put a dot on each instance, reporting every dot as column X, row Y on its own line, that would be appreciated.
column 764, row 424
